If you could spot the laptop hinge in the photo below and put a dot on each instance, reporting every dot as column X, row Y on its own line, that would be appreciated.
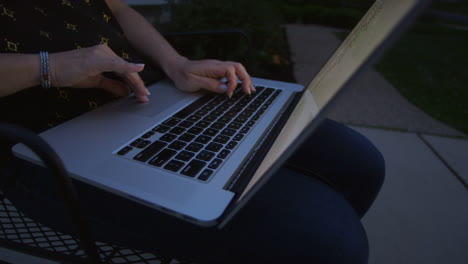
column 246, row 172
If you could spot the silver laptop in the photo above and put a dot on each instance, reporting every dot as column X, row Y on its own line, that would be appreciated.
column 200, row 156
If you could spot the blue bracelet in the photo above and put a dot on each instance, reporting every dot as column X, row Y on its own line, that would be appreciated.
column 44, row 69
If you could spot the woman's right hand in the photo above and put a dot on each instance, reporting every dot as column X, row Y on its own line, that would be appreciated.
column 84, row 68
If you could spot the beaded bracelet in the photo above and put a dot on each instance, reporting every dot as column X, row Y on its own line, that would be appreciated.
column 44, row 69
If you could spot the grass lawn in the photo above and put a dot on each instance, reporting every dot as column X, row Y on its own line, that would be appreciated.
column 428, row 65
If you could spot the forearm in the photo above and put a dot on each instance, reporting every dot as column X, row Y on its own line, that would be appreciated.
column 146, row 39
column 18, row 72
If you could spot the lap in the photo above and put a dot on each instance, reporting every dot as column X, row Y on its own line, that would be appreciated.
column 292, row 216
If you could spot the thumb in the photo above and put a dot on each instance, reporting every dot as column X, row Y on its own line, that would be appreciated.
column 212, row 85
column 120, row 66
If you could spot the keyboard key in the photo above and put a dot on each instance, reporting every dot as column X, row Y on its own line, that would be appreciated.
column 217, row 101
column 228, row 132
column 208, row 108
column 269, row 91
column 203, row 124
column 177, row 130
column 161, row 129
column 250, row 124
column 162, row 157
column 205, row 175
column 223, row 107
column 177, row 145
column 255, row 117
column 186, row 124
column 140, row 143
column 245, row 130
column 235, row 125
column 239, row 137
column 143, row 144
column 231, row 145
column 217, row 113
column 194, row 118
column 171, row 122
column 152, row 149
column 194, row 147
column 241, row 120
column 185, row 156
column 193, row 168
column 237, row 109
column 205, row 155
column 187, row 137
column 222, row 139
column 195, row 130
column 168, row 138
column 224, row 153
column 215, row 147
column 246, row 114
column 210, row 132
column 276, row 93
column 210, row 118
column 218, row 125
column 124, row 150
column 215, row 164
column 136, row 142
column 201, row 112
column 193, row 107
column 224, row 119
column 203, row 139
column 230, row 114
column 148, row 134
column 174, row 165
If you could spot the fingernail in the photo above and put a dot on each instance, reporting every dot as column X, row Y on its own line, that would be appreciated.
column 253, row 88
column 145, row 99
column 223, row 87
column 147, row 91
column 140, row 65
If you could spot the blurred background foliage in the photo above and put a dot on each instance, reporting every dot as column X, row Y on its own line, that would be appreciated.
column 427, row 65
column 260, row 19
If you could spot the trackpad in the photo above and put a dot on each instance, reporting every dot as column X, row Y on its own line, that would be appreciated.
column 163, row 96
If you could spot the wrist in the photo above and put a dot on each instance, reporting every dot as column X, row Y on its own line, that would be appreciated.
column 173, row 66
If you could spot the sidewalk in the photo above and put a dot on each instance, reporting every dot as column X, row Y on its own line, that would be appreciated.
column 421, row 213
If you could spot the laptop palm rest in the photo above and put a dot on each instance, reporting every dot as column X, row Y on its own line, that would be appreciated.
column 164, row 95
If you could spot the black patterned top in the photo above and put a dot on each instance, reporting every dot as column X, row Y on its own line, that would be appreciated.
column 30, row 26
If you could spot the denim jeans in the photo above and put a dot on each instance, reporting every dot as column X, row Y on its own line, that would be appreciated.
column 309, row 212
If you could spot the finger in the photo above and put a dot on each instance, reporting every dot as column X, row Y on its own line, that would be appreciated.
column 244, row 77
column 113, row 86
column 134, row 81
column 210, row 84
column 118, row 65
column 231, row 80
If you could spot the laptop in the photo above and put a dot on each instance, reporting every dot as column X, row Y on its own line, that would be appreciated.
column 200, row 156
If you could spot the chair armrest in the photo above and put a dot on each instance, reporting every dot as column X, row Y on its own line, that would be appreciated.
column 55, row 164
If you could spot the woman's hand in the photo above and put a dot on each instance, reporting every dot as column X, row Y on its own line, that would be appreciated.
column 192, row 76
column 84, row 68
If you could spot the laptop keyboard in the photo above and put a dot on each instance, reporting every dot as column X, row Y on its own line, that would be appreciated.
column 197, row 140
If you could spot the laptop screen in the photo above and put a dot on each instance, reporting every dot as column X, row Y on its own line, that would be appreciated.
column 382, row 19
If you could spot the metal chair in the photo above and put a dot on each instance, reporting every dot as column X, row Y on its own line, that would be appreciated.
column 21, row 233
